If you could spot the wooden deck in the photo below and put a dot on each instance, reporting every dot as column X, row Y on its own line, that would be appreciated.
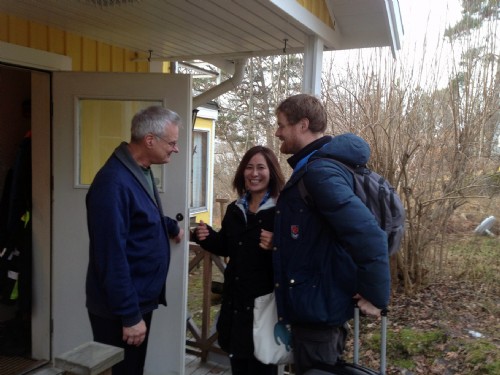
column 194, row 366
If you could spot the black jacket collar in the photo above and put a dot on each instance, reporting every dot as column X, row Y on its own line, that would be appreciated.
column 315, row 145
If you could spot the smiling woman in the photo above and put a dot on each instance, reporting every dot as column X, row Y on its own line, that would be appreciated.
column 245, row 237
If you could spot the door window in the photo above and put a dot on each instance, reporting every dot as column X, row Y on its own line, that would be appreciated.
column 102, row 125
column 199, row 176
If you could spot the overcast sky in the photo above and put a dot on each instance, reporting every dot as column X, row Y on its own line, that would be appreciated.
column 425, row 22
column 422, row 46
column 429, row 18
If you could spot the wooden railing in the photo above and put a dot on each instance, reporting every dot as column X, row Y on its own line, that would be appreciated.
column 203, row 340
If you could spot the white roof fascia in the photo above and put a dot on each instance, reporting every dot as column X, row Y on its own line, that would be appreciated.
column 208, row 113
column 331, row 37
column 395, row 24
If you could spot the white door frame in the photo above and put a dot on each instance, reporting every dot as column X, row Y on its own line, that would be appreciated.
column 36, row 61
column 44, row 347
column 70, row 242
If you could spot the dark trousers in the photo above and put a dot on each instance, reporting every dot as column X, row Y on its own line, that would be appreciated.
column 110, row 331
column 312, row 345
column 251, row 366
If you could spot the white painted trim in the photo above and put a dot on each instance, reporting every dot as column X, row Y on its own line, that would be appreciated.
column 211, row 114
column 33, row 58
column 332, row 38
column 395, row 24
column 313, row 65
column 155, row 66
column 211, row 162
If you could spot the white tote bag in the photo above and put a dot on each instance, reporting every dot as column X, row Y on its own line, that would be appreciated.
column 272, row 340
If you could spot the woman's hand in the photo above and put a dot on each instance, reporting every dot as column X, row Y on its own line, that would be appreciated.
column 266, row 239
column 201, row 231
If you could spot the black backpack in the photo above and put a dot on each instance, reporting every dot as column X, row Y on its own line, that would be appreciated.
column 380, row 198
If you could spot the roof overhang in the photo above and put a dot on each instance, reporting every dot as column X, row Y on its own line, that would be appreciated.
column 218, row 30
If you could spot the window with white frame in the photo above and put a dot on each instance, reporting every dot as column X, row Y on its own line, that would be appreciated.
column 199, row 171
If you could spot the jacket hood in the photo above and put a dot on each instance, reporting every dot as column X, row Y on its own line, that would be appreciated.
column 348, row 148
column 271, row 202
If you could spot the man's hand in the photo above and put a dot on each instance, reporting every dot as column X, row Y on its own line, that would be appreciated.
column 178, row 238
column 135, row 335
column 366, row 307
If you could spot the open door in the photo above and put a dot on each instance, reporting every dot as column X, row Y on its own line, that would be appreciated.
column 74, row 93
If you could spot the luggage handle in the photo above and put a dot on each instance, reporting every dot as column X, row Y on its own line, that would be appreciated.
column 383, row 339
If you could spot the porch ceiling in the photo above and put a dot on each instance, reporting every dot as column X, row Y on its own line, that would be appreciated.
column 183, row 30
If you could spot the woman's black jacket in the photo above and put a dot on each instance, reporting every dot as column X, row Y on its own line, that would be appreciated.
column 248, row 274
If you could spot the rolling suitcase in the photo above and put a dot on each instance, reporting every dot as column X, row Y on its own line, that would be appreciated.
column 354, row 368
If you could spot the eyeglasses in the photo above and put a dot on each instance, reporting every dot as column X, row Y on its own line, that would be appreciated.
column 172, row 144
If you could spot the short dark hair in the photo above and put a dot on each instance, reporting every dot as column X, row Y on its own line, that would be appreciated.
column 276, row 179
column 297, row 107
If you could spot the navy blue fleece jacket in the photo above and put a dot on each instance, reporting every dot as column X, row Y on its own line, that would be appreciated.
column 129, row 251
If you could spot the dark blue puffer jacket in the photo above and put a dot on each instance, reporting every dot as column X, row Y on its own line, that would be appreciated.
column 328, row 251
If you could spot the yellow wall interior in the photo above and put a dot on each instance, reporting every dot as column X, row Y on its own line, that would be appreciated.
column 87, row 55
column 204, row 124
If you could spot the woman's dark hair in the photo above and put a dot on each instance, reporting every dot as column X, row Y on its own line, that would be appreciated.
column 297, row 107
column 276, row 179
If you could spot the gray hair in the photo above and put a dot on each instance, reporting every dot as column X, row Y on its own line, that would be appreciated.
column 153, row 120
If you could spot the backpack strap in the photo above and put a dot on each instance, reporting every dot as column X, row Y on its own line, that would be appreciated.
column 393, row 202
column 366, row 189
column 381, row 199
column 304, row 194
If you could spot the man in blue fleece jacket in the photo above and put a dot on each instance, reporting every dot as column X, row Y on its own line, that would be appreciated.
column 327, row 251
column 129, row 252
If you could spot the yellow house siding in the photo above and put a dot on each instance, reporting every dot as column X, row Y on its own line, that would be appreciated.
column 87, row 55
column 319, row 9
column 203, row 123
column 89, row 58
column 57, row 40
column 117, row 58
column 129, row 65
column 205, row 216
column 18, row 31
column 143, row 66
column 3, row 26
column 103, row 57
column 166, row 67
column 74, row 50
column 207, row 124
column 38, row 36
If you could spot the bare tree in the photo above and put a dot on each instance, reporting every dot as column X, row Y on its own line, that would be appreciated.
column 429, row 141
column 436, row 143
column 479, row 69
column 246, row 116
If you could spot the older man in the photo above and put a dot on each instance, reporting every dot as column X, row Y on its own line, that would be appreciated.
column 129, row 238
